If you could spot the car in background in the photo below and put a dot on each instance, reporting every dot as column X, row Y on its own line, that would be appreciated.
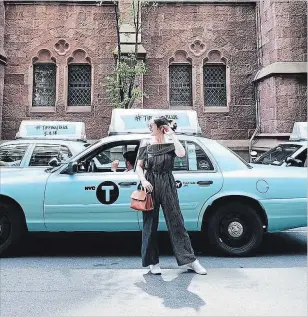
column 290, row 153
column 43, row 143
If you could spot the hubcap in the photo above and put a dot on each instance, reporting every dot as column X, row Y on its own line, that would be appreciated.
column 235, row 229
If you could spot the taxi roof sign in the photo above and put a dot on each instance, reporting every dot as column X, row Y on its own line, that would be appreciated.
column 125, row 121
column 52, row 130
column 300, row 132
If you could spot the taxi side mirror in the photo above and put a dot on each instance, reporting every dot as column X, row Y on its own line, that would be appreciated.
column 72, row 168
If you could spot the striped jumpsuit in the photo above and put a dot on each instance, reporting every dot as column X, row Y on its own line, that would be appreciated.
column 158, row 161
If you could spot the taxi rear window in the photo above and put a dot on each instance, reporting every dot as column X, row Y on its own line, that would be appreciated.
column 42, row 154
column 13, row 153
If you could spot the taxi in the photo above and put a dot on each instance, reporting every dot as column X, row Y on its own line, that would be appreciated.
column 42, row 143
column 231, row 203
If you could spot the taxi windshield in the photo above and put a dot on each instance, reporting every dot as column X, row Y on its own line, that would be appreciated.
column 277, row 155
column 72, row 158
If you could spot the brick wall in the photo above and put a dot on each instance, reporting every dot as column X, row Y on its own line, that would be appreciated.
column 283, row 31
column 227, row 32
column 30, row 28
column 283, row 101
column 283, row 38
column 230, row 29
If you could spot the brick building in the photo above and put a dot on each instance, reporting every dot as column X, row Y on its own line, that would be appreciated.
column 240, row 64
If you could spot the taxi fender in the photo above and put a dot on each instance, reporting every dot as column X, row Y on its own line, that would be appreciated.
column 28, row 192
column 223, row 195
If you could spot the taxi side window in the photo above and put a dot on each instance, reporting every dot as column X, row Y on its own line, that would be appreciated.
column 194, row 160
column 197, row 159
column 13, row 154
column 42, row 154
column 113, row 157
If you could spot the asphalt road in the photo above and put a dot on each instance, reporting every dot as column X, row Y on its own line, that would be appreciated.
column 101, row 275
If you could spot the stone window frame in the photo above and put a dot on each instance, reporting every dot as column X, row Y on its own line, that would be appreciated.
column 79, row 57
column 182, row 57
column 43, row 56
column 216, row 57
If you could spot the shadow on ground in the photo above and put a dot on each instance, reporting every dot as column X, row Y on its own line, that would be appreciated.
column 181, row 298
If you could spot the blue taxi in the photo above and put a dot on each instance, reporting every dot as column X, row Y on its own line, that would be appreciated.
column 222, row 196
column 39, row 143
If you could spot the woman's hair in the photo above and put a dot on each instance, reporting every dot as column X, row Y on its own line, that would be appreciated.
column 160, row 121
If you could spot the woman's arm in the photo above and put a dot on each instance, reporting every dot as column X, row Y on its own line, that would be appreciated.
column 140, row 172
column 179, row 148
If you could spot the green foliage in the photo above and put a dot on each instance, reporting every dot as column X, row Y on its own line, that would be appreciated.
column 123, row 84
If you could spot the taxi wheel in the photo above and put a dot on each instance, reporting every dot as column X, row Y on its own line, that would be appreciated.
column 11, row 226
column 235, row 229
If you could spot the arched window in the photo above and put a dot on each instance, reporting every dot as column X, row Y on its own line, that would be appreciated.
column 44, row 79
column 180, row 80
column 79, row 79
column 215, row 80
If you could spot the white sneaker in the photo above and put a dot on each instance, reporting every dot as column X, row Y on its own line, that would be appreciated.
column 155, row 269
column 197, row 267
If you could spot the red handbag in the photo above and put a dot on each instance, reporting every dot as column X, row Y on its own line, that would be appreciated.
column 141, row 201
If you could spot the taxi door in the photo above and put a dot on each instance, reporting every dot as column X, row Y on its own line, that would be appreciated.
column 197, row 178
column 92, row 200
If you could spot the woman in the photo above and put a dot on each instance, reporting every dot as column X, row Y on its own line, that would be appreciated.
column 157, row 158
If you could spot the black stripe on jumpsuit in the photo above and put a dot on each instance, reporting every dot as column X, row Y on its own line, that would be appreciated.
column 158, row 162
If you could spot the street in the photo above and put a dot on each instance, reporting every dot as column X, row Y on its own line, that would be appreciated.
column 101, row 274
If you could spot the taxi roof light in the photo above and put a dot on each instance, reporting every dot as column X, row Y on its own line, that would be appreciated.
column 52, row 130
column 299, row 132
column 127, row 121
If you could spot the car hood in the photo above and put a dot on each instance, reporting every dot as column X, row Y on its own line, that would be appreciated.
column 273, row 170
column 255, row 165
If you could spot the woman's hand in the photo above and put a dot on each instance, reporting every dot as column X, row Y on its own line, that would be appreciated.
column 147, row 186
column 115, row 165
column 168, row 130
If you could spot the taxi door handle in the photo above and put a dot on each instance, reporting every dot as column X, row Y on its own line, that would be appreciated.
column 126, row 184
column 205, row 183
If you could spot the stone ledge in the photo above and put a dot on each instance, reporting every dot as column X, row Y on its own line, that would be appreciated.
column 281, row 68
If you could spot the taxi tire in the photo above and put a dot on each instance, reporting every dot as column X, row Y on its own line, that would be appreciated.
column 214, row 237
column 17, row 225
